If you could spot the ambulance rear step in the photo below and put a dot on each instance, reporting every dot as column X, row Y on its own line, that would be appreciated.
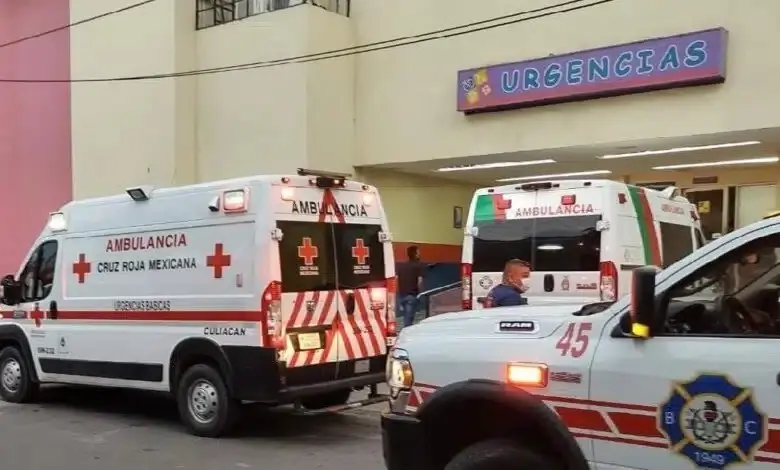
column 374, row 397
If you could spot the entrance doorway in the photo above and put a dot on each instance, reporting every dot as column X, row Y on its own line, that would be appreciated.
column 713, row 206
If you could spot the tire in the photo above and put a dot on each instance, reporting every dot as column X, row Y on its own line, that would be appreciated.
column 16, row 382
column 499, row 455
column 326, row 400
column 204, row 403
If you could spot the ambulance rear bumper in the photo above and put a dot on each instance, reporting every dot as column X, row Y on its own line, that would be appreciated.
column 291, row 393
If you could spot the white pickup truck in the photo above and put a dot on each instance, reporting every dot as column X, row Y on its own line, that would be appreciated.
column 683, row 373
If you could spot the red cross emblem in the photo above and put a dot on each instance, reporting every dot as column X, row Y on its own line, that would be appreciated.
column 82, row 267
column 37, row 315
column 218, row 261
column 307, row 251
column 360, row 251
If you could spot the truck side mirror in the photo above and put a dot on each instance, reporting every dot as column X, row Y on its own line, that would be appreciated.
column 643, row 306
column 11, row 290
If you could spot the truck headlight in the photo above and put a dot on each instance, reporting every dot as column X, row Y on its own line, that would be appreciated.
column 399, row 372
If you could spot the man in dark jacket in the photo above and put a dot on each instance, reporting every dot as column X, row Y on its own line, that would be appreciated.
column 510, row 291
column 410, row 280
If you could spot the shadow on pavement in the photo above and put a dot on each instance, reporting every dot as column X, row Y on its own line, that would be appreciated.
column 144, row 409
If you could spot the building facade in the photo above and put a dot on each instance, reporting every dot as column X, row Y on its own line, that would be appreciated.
column 671, row 92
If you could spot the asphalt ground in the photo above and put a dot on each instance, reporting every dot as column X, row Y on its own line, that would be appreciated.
column 87, row 428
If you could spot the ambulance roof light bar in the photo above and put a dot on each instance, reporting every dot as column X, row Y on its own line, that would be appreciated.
column 140, row 194
column 324, row 174
column 324, row 179
column 57, row 222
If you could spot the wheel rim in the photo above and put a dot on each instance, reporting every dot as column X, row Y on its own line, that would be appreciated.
column 12, row 375
column 203, row 401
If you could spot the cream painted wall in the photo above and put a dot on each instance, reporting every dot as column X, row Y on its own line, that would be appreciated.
column 135, row 132
column 274, row 119
column 406, row 95
column 419, row 209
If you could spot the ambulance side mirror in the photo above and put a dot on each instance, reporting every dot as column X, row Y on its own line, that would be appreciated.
column 644, row 310
column 11, row 290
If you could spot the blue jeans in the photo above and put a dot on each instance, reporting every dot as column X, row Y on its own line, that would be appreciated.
column 408, row 305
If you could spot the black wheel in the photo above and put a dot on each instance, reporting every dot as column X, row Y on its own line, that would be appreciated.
column 499, row 455
column 325, row 400
column 205, row 406
column 16, row 382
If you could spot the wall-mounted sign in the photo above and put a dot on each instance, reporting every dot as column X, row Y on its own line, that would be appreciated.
column 697, row 58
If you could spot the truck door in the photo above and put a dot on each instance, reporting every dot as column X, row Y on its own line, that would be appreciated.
column 703, row 392
column 38, row 291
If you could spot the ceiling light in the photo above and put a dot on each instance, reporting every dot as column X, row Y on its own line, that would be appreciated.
column 747, row 161
column 680, row 150
column 559, row 175
column 549, row 247
column 488, row 166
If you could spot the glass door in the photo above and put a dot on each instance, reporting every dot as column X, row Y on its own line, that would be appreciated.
column 712, row 205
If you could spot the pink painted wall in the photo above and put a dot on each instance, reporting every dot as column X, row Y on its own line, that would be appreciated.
column 35, row 126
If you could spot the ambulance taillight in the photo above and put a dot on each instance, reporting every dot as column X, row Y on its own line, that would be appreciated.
column 390, row 329
column 608, row 281
column 272, row 309
column 465, row 279
column 568, row 200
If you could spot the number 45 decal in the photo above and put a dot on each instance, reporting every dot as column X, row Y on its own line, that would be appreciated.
column 574, row 340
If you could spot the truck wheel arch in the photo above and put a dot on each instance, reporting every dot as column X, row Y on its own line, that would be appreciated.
column 456, row 399
column 13, row 335
column 193, row 351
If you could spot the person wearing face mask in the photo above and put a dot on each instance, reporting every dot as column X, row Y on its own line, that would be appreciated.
column 510, row 291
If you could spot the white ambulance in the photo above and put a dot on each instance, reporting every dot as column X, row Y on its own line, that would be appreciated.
column 581, row 238
column 271, row 289
column 682, row 374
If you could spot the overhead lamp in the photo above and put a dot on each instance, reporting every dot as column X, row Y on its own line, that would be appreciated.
column 559, row 175
column 488, row 166
column 744, row 161
column 680, row 150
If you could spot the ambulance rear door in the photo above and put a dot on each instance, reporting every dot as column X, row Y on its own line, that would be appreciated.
column 552, row 226
column 332, row 266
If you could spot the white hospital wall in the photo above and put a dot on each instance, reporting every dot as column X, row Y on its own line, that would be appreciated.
column 406, row 95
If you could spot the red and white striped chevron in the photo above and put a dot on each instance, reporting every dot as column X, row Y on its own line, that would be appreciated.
column 350, row 337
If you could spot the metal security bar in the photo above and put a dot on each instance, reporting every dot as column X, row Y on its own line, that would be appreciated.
column 216, row 12
column 442, row 299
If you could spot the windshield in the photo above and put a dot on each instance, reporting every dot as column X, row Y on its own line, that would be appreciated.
column 548, row 244
column 318, row 256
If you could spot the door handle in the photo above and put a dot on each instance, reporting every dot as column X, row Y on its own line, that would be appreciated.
column 53, row 312
column 549, row 283
column 349, row 305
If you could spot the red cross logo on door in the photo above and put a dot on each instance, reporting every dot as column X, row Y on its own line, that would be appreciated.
column 360, row 251
column 82, row 267
column 307, row 251
column 37, row 315
column 218, row 261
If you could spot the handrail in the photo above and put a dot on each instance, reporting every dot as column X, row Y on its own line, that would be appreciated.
column 438, row 289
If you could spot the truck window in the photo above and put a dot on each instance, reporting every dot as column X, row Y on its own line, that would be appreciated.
column 548, row 244
column 37, row 277
column 676, row 242
column 319, row 256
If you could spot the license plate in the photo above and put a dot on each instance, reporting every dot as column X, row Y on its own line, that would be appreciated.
column 309, row 341
column 362, row 366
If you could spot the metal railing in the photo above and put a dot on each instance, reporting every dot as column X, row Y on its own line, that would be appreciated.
column 442, row 299
column 216, row 12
